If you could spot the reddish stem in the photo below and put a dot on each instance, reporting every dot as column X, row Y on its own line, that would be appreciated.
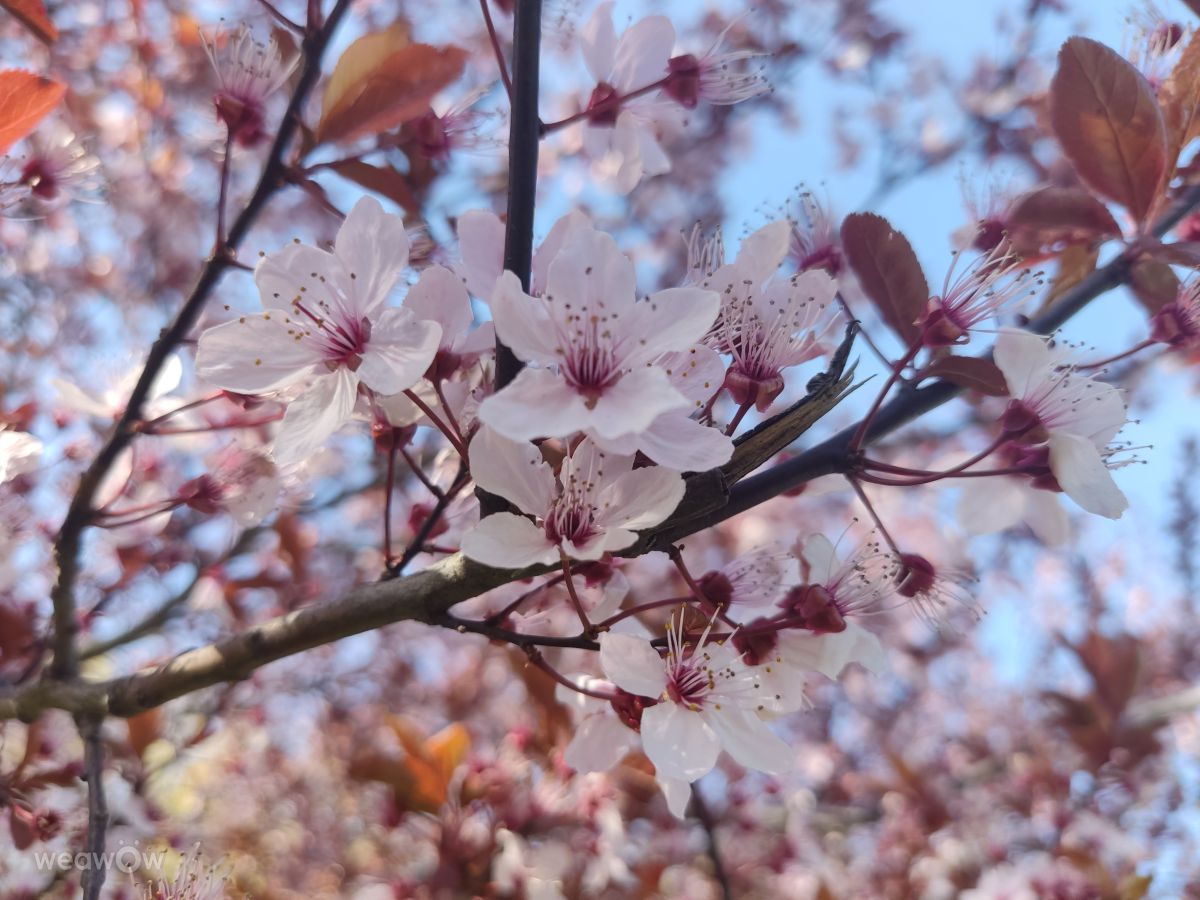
column 496, row 49
column 603, row 106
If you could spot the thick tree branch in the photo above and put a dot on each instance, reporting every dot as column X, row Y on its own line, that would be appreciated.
column 427, row 595
column 79, row 514
column 93, row 766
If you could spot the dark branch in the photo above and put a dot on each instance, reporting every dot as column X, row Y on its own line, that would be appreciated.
column 93, row 765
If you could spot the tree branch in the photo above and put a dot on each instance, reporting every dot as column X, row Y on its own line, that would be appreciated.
column 93, row 761
column 79, row 514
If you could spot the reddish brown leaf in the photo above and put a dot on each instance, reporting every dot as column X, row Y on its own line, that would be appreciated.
column 1075, row 263
column 383, row 80
column 1180, row 253
column 1053, row 216
column 25, row 99
column 1153, row 283
column 888, row 270
column 144, row 729
column 387, row 182
column 970, row 372
column 32, row 15
column 1104, row 115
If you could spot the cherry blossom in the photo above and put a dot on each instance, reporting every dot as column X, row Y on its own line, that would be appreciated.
column 439, row 296
column 19, row 453
column 718, row 76
column 325, row 326
column 709, row 700
column 448, row 127
column 767, row 324
column 595, row 344
column 243, row 483
column 834, row 589
column 622, row 132
column 1078, row 415
column 248, row 72
column 58, row 166
column 595, row 506
column 109, row 402
column 481, row 246
column 991, row 284
column 1178, row 323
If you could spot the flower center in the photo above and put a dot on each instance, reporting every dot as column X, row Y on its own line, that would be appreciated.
column 342, row 342
column 570, row 520
column 591, row 369
column 604, row 106
column 688, row 684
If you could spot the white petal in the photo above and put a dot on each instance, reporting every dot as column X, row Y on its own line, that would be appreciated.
column 590, row 270
column 600, row 742
column 513, row 469
column 74, row 397
column 642, row 53
column 679, row 742
column 1021, row 357
column 678, row 794
column 441, row 297
column 537, row 403
column 523, row 322
column 316, row 414
column 399, row 351
column 598, row 42
column 988, row 505
column 373, row 247
column 20, row 452
column 167, row 379
column 632, row 664
column 672, row 320
column 818, row 559
column 632, row 404
column 696, row 372
column 508, row 541
column 1046, row 516
column 762, row 252
column 253, row 354
column 1081, row 472
column 554, row 241
column 280, row 276
column 481, row 244
column 829, row 654
column 641, row 498
column 747, row 739
column 675, row 442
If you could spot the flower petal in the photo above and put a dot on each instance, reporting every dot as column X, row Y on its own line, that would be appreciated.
column 675, row 442
column 508, row 541
column 642, row 53
column 671, row 320
column 678, row 794
column 818, row 559
column 481, row 245
column 762, row 252
column 287, row 274
column 373, row 247
column 988, row 505
column 253, row 354
column 1046, row 516
column 632, row 664
column 598, row 42
column 679, row 742
column 513, row 469
column 632, row 404
column 316, row 414
column 1021, row 357
column 599, row 743
column 590, row 273
column 439, row 296
column 537, row 403
column 640, row 498
column 748, row 740
column 1082, row 474
column 399, row 351
column 523, row 322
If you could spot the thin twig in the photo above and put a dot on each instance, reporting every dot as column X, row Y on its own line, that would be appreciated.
column 705, row 817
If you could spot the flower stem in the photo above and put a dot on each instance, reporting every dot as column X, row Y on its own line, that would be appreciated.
column 588, row 628
column 495, row 40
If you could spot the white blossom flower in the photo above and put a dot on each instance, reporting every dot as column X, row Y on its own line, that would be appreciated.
column 595, row 344
column 109, row 402
column 709, row 700
column 325, row 326
column 767, row 324
column 1078, row 414
column 717, row 76
column 595, row 505
column 20, row 452
column 248, row 72
column 623, row 133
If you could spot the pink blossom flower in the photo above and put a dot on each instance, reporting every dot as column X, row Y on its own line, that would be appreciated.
column 248, row 72
column 718, row 76
column 450, row 127
column 767, row 324
column 58, row 166
column 325, row 325
column 595, row 344
column 709, row 700
column 991, row 284
column 834, row 589
column 19, row 453
column 242, row 483
column 1078, row 415
column 439, row 296
column 1178, row 323
column 624, row 132
column 595, row 505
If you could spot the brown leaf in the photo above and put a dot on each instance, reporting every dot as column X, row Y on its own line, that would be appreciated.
column 32, row 15
column 25, row 99
column 888, row 270
column 383, row 80
column 144, row 729
column 1180, row 253
column 1179, row 99
column 385, row 181
column 1053, row 216
column 420, row 779
column 1153, row 283
column 1104, row 115
column 1075, row 263
column 969, row 372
